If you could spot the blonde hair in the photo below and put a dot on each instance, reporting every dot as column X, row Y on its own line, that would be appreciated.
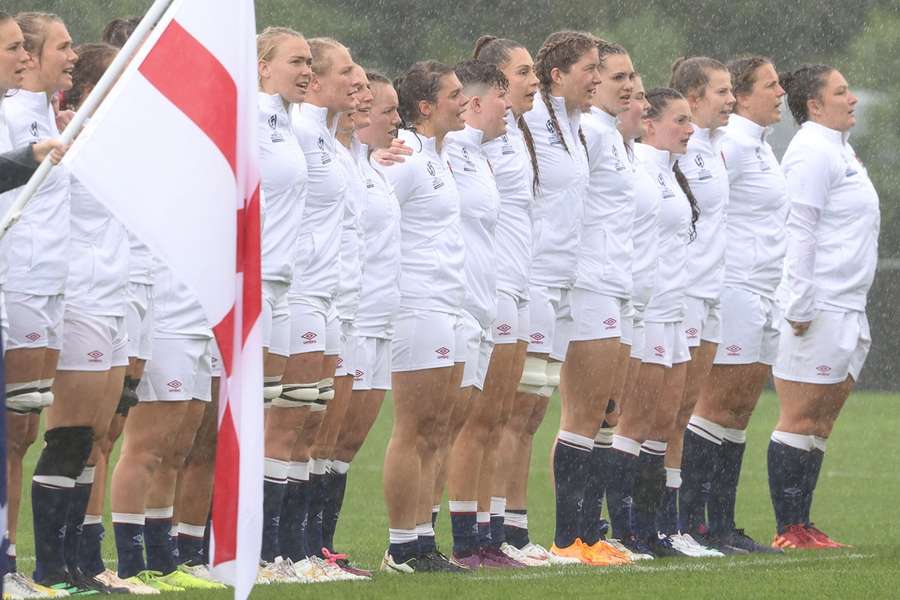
column 321, row 48
column 267, row 41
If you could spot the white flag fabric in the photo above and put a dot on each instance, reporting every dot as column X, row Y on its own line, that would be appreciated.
column 172, row 153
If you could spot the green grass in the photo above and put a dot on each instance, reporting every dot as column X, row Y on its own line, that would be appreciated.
column 856, row 502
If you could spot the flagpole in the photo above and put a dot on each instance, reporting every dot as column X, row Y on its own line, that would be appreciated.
column 112, row 74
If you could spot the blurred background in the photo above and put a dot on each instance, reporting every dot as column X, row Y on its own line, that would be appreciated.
column 861, row 38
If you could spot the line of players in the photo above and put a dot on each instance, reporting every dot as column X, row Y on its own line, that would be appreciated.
column 513, row 238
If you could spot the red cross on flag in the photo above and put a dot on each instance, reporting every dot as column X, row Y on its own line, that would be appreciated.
column 172, row 153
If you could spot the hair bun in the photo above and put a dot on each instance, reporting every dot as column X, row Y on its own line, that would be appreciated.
column 480, row 43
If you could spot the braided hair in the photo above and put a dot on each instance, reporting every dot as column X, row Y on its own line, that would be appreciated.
column 803, row 84
column 659, row 99
column 561, row 50
column 496, row 50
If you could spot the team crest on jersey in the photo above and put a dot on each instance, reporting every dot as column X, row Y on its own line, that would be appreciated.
column 34, row 129
column 619, row 163
column 369, row 183
column 704, row 174
column 273, row 125
column 437, row 183
column 763, row 165
column 507, row 148
column 554, row 135
column 325, row 158
column 851, row 170
column 666, row 192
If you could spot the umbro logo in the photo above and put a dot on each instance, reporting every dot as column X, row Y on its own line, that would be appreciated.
column 443, row 352
column 824, row 370
column 610, row 323
column 692, row 332
column 174, row 385
column 309, row 337
column 33, row 336
column 358, row 375
column 95, row 355
column 537, row 337
column 733, row 350
column 504, row 328
column 659, row 350
column 340, row 362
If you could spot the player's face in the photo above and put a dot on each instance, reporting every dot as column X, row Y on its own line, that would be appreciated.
column 714, row 107
column 289, row 71
column 13, row 58
column 384, row 118
column 336, row 85
column 631, row 121
column 495, row 103
column 447, row 112
column 362, row 116
column 613, row 94
column 57, row 59
column 578, row 84
column 523, row 83
column 763, row 104
column 672, row 129
column 836, row 106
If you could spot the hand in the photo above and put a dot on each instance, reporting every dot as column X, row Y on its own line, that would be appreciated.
column 799, row 327
column 393, row 154
column 63, row 118
column 55, row 148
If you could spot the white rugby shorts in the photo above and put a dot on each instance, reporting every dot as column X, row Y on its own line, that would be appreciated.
column 596, row 316
column 473, row 347
column 834, row 347
column 511, row 324
column 423, row 339
column 702, row 321
column 665, row 344
column 181, row 369
column 372, row 357
column 750, row 328
column 33, row 321
column 139, row 320
column 276, row 318
column 93, row 342
column 549, row 321
column 309, row 319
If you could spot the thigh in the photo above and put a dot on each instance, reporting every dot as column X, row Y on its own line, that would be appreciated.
column 154, row 426
column 809, row 408
column 419, row 397
column 77, row 397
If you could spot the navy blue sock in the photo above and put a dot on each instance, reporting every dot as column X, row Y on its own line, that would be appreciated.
column 337, row 489
column 206, row 539
column 725, row 492
column 813, row 468
column 90, row 555
column 649, row 489
column 591, row 524
column 273, row 500
column 570, row 464
column 159, row 550
column 81, row 494
column 667, row 515
column 620, row 492
column 190, row 549
column 11, row 563
column 434, row 517
column 516, row 535
column 50, row 508
column 402, row 552
column 700, row 464
column 315, row 513
column 426, row 539
column 464, row 527
column 290, row 541
column 786, row 477
column 498, row 534
column 484, row 534
column 130, row 548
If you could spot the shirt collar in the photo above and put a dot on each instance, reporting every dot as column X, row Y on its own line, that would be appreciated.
column 415, row 140
column 604, row 117
column 832, row 135
column 748, row 127
column 271, row 102
column 662, row 159
column 470, row 136
column 319, row 114
column 512, row 124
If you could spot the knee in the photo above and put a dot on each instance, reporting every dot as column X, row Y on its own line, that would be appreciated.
column 65, row 452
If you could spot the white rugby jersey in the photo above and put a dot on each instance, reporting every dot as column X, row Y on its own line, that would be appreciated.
column 282, row 169
column 667, row 302
column 604, row 259
column 559, row 202
column 830, row 261
column 5, row 140
column 141, row 263
column 432, row 275
column 33, row 255
column 176, row 311
column 757, row 209
column 380, row 288
column 514, row 174
column 350, row 278
column 316, row 271
column 479, row 211
column 98, row 257
column 645, row 233
column 704, row 168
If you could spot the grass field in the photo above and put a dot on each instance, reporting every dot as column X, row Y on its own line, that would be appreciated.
column 856, row 503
